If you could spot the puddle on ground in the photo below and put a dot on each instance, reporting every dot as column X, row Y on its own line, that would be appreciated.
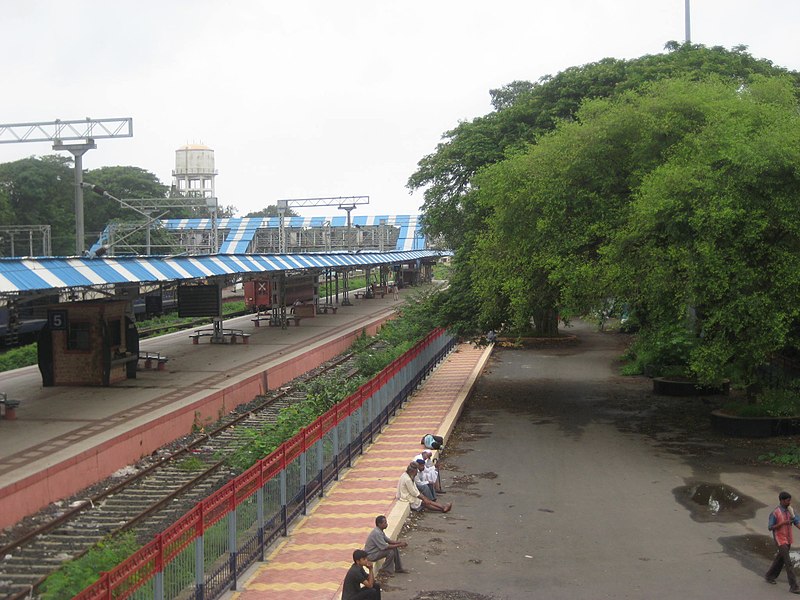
column 716, row 502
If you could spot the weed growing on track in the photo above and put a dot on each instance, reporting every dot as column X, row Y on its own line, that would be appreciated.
column 76, row 575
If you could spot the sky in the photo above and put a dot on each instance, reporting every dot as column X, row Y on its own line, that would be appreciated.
column 323, row 98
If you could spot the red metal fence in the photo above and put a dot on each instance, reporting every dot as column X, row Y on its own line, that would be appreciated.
column 340, row 433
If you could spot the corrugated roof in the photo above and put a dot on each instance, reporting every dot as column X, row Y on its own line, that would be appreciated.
column 242, row 230
column 40, row 274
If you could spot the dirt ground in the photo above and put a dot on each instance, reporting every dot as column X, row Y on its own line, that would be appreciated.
column 571, row 481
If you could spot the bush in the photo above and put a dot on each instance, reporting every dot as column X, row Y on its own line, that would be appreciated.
column 16, row 358
column 78, row 574
column 665, row 351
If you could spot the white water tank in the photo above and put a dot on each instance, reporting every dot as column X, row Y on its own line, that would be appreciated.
column 194, row 170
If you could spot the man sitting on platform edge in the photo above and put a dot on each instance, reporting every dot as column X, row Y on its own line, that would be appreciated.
column 356, row 576
column 379, row 546
column 407, row 492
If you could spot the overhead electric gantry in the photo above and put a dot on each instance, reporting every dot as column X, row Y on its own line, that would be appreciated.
column 87, row 131
column 347, row 203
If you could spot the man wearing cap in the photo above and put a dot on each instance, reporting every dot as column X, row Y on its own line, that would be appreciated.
column 422, row 480
column 431, row 471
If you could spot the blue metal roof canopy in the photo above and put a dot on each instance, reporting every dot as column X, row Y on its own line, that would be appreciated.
column 19, row 275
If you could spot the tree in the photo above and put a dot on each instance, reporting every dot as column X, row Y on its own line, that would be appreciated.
column 713, row 236
column 40, row 191
column 270, row 211
column 679, row 200
column 123, row 183
column 523, row 116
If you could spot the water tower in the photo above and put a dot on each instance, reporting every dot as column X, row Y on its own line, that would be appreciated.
column 194, row 171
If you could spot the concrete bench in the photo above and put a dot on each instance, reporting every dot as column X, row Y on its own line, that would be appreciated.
column 375, row 294
column 123, row 360
column 232, row 335
column 8, row 408
column 153, row 359
column 324, row 308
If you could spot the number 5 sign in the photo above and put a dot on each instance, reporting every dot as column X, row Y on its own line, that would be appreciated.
column 57, row 319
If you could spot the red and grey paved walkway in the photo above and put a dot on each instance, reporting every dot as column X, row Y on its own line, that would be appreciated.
column 311, row 562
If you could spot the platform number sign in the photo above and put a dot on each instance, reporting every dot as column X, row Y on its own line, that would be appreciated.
column 57, row 319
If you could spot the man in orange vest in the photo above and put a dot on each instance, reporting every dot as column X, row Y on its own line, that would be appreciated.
column 780, row 524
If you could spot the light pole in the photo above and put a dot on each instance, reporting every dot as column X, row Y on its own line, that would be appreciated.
column 688, row 23
column 78, row 150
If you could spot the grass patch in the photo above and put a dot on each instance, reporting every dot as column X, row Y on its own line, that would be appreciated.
column 16, row 358
column 789, row 456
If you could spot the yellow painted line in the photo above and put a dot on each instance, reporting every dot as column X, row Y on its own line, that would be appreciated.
column 294, row 587
column 329, row 502
column 328, row 530
column 321, row 546
column 345, row 515
column 341, row 565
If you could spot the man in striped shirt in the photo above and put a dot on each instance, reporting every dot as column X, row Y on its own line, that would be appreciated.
column 780, row 524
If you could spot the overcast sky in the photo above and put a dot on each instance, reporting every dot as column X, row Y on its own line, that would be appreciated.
column 324, row 98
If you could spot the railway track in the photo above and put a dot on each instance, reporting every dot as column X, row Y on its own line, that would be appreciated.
column 149, row 500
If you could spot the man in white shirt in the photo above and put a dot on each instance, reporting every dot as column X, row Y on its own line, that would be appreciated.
column 407, row 492
column 431, row 474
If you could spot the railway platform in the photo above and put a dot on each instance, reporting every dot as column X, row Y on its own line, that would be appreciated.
column 310, row 564
column 66, row 438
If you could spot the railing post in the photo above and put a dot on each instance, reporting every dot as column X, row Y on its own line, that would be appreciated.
column 199, row 558
column 261, row 523
column 320, row 444
column 303, row 478
column 282, row 479
column 336, row 452
column 350, row 440
column 232, row 545
column 158, row 579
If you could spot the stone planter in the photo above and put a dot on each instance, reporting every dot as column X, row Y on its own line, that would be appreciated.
column 665, row 386
column 755, row 427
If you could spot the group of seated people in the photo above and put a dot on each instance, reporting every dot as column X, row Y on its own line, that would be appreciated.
column 419, row 486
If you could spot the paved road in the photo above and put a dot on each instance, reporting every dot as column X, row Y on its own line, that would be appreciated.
column 572, row 482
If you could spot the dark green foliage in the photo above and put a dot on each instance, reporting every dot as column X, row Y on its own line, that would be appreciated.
column 770, row 402
column 16, row 358
column 78, row 574
column 664, row 353
column 512, row 285
column 40, row 191
column 788, row 456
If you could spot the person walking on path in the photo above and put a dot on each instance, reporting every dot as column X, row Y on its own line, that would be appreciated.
column 780, row 524
column 356, row 576
column 407, row 492
column 379, row 545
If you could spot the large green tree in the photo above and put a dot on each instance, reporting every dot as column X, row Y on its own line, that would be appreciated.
column 40, row 191
column 524, row 114
column 122, row 183
column 712, row 238
column 679, row 199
